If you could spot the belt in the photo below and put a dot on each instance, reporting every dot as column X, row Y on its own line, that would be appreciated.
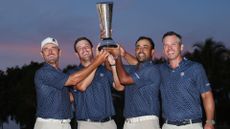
column 183, row 122
column 101, row 120
column 62, row 121
column 141, row 118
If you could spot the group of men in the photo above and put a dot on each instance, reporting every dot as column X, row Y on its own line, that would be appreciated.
column 179, row 86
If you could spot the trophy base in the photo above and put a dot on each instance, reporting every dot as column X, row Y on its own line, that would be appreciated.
column 109, row 45
column 107, row 42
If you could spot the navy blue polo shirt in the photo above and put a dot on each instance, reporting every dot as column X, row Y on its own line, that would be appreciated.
column 181, row 89
column 95, row 102
column 142, row 97
column 52, row 96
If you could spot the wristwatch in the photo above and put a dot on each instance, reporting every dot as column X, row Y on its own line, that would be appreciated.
column 211, row 122
column 112, row 64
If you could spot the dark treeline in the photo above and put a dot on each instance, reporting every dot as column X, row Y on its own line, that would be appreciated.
column 18, row 97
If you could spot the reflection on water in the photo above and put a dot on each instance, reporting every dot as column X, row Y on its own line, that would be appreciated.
column 10, row 125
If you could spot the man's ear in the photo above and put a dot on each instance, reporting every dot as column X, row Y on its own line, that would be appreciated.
column 152, row 52
column 41, row 54
column 181, row 47
column 76, row 54
column 60, row 52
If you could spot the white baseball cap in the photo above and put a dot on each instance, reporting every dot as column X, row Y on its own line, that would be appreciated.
column 48, row 40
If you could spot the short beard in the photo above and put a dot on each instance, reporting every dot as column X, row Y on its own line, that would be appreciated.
column 141, row 59
column 51, row 60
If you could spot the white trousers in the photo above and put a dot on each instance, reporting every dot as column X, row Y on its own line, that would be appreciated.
column 51, row 124
column 188, row 126
column 97, row 125
column 142, row 122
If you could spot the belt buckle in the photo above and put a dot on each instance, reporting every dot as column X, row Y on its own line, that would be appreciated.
column 184, row 122
column 179, row 123
column 106, row 119
column 102, row 120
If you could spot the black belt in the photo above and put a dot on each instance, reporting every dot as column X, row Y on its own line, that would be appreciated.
column 91, row 120
column 183, row 122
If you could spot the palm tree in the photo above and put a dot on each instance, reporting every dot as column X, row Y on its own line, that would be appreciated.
column 212, row 55
column 215, row 58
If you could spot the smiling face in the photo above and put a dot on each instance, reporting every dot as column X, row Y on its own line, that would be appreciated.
column 50, row 52
column 84, row 51
column 143, row 50
column 172, row 47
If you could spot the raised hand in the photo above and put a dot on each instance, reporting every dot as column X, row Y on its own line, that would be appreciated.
column 114, row 51
column 102, row 56
column 111, row 60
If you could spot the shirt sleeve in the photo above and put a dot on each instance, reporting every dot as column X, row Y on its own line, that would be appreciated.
column 53, row 78
column 71, row 71
column 201, row 79
column 147, row 76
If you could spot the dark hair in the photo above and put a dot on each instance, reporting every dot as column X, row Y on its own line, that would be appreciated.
column 171, row 33
column 79, row 39
column 146, row 38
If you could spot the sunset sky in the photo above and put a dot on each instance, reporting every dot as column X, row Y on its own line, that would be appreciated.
column 25, row 23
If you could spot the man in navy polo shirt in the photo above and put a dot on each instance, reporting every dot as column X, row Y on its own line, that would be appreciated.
column 92, row 96
column 142, row 82
column 183, row 82
column 53, row 101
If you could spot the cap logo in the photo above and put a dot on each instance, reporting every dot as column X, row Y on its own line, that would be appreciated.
column 49, row 40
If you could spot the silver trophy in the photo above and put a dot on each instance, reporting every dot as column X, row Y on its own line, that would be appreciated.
column 105, row 10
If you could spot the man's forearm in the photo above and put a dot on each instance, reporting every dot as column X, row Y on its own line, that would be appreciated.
column 122, row 74
column 82, row 86
column 81, row 74
column 209, row 105
column 117, row 84
column 130, row 59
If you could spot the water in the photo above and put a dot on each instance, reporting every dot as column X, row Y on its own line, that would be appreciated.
column 10, row 125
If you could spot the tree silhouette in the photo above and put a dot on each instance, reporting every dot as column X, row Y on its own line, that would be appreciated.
column 19, row 95
column 215, row 58
column 3, row 108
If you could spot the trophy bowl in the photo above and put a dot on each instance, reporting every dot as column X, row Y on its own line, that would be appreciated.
column 105, row 10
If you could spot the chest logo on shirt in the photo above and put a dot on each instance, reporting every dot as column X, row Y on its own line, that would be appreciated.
column 207, row 84
column 182, row 74
column 101, row 75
